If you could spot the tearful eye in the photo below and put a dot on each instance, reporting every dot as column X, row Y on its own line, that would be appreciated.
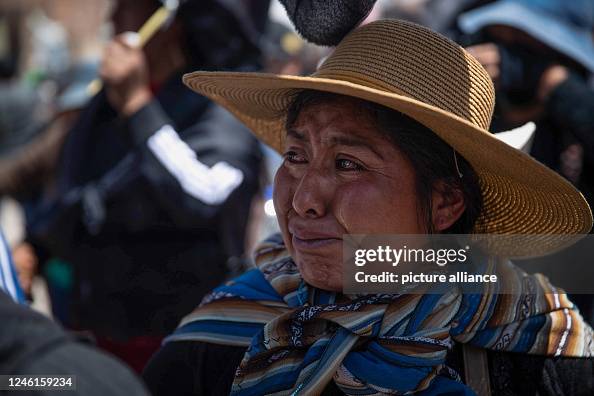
column 347, row 164
column 294, row 157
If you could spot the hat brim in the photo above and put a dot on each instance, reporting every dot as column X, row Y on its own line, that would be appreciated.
column 521, row 196
column 571, row 41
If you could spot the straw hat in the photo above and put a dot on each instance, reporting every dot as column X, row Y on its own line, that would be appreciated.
column 422, row 74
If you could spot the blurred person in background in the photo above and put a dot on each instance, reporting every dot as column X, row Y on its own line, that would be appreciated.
column 31, row 344
column 154, row 184
column 53, row 52
column 435, row 14
column 23, row 114
column 540, row 54
column 29, row 175
column 21, row 110
column 57, row 59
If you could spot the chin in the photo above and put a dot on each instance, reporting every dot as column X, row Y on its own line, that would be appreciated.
column 321, row 276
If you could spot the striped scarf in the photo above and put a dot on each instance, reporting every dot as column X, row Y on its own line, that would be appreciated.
column 300, row 337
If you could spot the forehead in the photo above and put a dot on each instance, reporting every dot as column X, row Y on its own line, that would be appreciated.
column 340, row 115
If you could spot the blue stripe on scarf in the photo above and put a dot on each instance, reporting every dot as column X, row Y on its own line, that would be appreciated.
column 528, row 336
column 398, row 358
column 467, row 312
column 445, row 387
column 342, row 341
column 251, row 286
column 484, row 337
column 284, row 379
column 241, row 329
column 425, row 306
column 369, row 366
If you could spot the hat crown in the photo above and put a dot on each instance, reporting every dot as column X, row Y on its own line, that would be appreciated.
column 411, row 60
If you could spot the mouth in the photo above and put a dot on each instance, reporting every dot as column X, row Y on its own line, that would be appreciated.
column 306, row 244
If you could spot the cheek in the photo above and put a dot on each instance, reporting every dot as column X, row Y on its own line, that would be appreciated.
column 386, row 207
column 283, row 197
column 283, row 189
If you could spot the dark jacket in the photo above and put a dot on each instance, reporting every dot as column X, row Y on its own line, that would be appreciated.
column 150, row 210
column 569, row 118
column 31, row 344
column 196, row 368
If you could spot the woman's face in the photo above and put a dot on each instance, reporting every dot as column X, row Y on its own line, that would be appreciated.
column 340, row 176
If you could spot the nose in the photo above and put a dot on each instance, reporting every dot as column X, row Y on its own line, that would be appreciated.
column 312, row 195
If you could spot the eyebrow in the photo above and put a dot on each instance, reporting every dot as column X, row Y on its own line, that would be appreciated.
column 337, row 141
column 297, row 135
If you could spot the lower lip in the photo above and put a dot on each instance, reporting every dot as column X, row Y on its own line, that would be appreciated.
column 312, row 244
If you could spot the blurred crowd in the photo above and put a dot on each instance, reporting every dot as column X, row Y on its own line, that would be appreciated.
column 122, row 208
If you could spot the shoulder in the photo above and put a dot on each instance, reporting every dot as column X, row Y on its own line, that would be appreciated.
column 95, row 372
column 32, row 344
column 24, row 333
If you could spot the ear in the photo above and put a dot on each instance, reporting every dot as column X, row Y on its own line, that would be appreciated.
column 447, row 206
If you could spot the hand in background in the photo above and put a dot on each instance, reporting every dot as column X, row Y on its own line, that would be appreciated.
column 124, row 72
column 551, row 78
column 25, row 262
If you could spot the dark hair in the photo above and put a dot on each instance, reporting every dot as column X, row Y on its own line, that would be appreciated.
column 432, row 158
